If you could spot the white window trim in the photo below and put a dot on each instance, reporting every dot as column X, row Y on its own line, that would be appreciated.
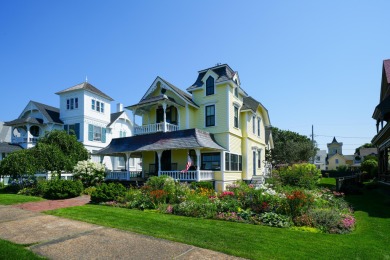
column 215, row 114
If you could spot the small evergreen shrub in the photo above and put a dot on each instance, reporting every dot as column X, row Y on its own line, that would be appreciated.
column 108, row 192
column 61, row 189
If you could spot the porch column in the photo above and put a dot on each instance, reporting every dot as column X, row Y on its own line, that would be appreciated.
column 197, row 151
column 127, row 165
column 159, row 154
column 101, row 158
column 165, row 117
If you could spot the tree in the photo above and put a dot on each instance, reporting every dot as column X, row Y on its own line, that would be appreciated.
column 56, row 151
column 290, row 147
column 366, row 145
column 370, row 167
column 18, row 163
column 72, row 151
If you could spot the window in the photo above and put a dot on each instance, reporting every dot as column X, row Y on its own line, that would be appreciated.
column 122, row 134
column 132, row 162
column 210, row 115
column 97, row 105
column 254, row 125
column 258, row 126
column 234, row 162
column 3, row 155
column 211, row 161
column 318, row 158
column 209, row 86
column 236, row 92
column 73, row 129
column 235, row 116
column 259, row 159
column 337, row 161
column 121, row 162
column 72, row 103
column 227, row 162
column 96, row 133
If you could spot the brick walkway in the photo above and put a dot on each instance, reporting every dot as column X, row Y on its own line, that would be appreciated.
column 53, row 204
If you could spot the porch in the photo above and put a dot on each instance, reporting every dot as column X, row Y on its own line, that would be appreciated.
column 201, row 175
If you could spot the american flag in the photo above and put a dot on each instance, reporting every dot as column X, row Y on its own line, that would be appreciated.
column 189, row 163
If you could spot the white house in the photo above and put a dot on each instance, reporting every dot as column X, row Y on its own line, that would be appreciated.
column 84, row 111
column 320, row 159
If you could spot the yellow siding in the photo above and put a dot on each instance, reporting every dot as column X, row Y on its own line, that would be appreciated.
column 218, row 176
column 235, row 144
column 179, row 157
column 147, row 158
column 332, row 161
column 232, row 176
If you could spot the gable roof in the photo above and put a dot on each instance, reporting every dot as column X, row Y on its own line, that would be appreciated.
column 85, row 86
column 187, row 98
column 249, row 103
column 182, row 139
column 224, row 73
column 52, row 114
column 115, row 116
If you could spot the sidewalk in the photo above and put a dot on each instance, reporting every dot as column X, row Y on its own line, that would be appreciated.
column 59, row 238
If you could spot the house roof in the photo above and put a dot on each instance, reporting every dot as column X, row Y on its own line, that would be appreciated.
column 114, row 117
column 368, row 151
column 223, row 71
column 52, row 114
column 183, row 139
column 85, row 86
column 9, row 148
column 147, row 99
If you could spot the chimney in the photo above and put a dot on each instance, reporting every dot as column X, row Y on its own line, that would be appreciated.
column 119, row 107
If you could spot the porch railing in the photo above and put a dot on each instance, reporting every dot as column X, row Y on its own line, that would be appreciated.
column 122, row 175
column 154, row 128
column 19, row 140
column 190, row 175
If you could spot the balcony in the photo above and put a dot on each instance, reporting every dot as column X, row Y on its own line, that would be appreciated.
column 20, row 140
column 154, row 128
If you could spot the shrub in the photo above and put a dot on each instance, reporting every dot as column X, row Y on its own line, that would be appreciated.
column 298, row 202
column 136, row 199
column 108, row 192
column 61, row 189
column 303, row 175
column 275, row 220
column 89, row 190
column 196, row 209
column 89, row 173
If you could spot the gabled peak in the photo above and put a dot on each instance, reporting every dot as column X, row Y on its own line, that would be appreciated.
column 334, row 140
column 85, row 86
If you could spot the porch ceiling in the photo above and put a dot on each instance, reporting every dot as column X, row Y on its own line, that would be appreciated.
column 183, row 139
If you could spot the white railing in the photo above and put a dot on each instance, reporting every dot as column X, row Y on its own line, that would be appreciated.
column 122, row 175
column 19, row 140
column 154, row 128
column 189, row 175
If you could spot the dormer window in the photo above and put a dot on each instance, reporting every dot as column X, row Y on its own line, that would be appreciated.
column 210, row 86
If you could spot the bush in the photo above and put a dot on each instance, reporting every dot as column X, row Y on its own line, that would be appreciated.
column 60, row 189
column 303, row 175
column 196, row 209
column 89, row 173
column 108, row 192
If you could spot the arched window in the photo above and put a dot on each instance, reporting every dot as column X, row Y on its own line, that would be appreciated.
column 209, row 86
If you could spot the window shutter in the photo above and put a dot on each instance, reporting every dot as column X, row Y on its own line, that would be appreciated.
column 77, row 130
column 90, row 132
column 103, row 135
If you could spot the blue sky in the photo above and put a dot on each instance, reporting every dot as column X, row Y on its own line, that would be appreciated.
column 308, row 62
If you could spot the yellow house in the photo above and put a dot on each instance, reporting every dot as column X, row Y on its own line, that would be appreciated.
column 215, row 127
column 335, row 161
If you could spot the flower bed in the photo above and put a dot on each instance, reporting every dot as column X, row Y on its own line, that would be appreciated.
column 276, row 206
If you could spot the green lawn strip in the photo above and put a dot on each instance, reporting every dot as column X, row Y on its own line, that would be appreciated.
column 9, row 199
column 13, row 251
column 328, row 182
column 369, row 241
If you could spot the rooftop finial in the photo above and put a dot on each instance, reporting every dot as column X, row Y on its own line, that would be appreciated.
column 86, row 79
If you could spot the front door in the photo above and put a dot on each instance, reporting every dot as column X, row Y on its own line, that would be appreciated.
column 165, row 161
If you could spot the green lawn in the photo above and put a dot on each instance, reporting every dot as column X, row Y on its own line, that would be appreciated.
column 371, row 239
column 12, row 251
column 9, row 199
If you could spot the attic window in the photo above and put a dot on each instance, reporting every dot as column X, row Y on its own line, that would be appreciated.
column 210, row 86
